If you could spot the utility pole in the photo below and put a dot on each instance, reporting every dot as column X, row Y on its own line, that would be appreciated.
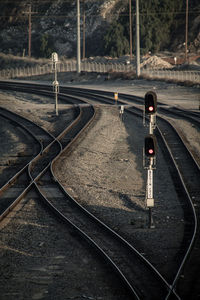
column 29, row 31
column 130, row 29
column 137, row 40
column 83, row 29
column 29, row 13
column 78, row 39
column 186, row 32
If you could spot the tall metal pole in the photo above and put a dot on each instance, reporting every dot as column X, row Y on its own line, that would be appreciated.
column 78, row 38
column 130, row 29
column 83, row 29
column 54, row 58
column 137, row 40
column 150, row 192
column 29, row 31
column 56, row 90
column 186, row 32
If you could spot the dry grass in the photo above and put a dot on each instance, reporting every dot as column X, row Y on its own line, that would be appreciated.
column 121, row 75
column 132, row 75
column 176, row 81
column 8, row 61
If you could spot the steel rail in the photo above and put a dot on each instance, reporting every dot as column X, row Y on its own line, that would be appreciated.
column 19, row 120
column 14, row 177
column 97, row 221
column 13, row 84
column 61, row 145
column 173, row 285
column 183, row 114
column 91, row 241
column 188, row 188
column 190, row 117
column 137, row 111
column 193, row 114
column 156, row 273
column 189, row 158
column 142, row 256
column 44, row 146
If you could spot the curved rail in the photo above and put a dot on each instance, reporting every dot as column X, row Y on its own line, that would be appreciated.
column 171, row 288
column 67, row 215
column 195, row 120
column 192, row 240
column 23, row 174
column 187, row 185
column 45, row 140
column 162, row 285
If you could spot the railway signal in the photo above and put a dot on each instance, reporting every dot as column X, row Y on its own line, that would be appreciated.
column 150, row 109
column 150, row 103
column 54, row 58
column 116, row 96
column 121, row 112
column 150, row 146
column 150, row 151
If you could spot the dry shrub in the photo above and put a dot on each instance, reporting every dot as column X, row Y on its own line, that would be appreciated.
column 176, row 81
column 11, row 61
column 122, row 75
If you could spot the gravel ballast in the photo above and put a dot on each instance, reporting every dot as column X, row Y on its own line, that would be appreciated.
column 104, row 172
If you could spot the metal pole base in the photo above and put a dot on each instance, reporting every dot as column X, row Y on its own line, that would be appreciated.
column 151, row 223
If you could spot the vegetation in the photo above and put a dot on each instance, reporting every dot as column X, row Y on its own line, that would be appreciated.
column 9, row 61
column 159, row 19
column 116, row 43
column 162, row 26
column 43, row 46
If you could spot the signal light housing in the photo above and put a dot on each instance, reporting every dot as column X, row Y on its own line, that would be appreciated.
column 150, row 146
column 150, row 103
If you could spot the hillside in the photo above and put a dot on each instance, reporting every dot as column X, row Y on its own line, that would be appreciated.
column 54, row 26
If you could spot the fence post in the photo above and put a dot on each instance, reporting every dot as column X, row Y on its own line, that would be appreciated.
column 85, row 66
column 103, row 67
column 64, row 67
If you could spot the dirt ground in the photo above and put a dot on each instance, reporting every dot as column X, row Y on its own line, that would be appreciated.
column 104, row 172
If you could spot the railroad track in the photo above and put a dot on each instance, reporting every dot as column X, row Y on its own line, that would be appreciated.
column 46, row 178
column 24, row 147
column 185, row 173
column 46, row 184
column 134, row 270
column 19, row 183
column 49, row 149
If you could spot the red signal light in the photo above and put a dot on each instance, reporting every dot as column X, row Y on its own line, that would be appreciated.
column 151, row 108
column 150, row 102
column 150, row 145
column 151, row 151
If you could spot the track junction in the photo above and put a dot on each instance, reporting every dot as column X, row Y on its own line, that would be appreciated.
column 36, row 175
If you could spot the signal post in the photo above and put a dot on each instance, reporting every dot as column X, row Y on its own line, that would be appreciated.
column 54, row 58
column 150, row 149
column 116, row 97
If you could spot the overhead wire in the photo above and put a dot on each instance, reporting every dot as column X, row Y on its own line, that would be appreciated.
column 120, row 14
